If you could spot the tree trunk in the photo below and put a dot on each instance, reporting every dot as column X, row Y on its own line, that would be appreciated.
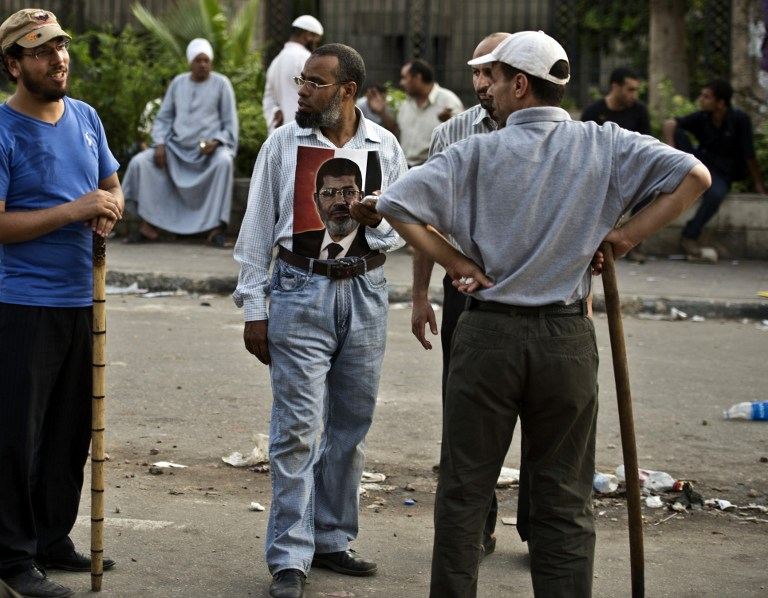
column 746, row 30
column 668, row 60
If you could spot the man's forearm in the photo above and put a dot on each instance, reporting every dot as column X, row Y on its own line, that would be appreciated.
column 668, row 206
column 422, row 274
column 428, row 241
column 17, row 227
column 668, row 130
column 756, row 174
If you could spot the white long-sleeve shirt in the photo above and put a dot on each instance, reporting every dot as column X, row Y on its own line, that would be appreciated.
column 268, row 220
column 281, row 92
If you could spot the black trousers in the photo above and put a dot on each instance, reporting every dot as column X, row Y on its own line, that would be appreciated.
column 541, row 368
column 45, row 419
column 454, row 304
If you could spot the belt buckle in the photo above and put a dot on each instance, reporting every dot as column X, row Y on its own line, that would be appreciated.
column 346, row 267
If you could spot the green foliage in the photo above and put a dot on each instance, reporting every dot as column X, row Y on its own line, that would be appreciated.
column 118, row 75
column 671, row 104
column 248, row 81
column 231, row 35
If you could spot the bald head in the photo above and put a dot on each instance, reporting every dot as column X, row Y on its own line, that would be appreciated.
column 481, row 73
column 489, row 43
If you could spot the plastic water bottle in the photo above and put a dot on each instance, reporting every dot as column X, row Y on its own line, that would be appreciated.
column 747, row 410
column 605, row 483
column 658, row 481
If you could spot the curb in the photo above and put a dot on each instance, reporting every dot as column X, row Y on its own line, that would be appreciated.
column 630, row 305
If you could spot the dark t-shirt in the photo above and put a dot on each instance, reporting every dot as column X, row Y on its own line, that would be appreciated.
column 725, row 149
column 634, row 118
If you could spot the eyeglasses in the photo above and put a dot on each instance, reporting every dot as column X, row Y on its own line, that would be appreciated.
column 46, row 52
column 348, row 193
column 301, row 81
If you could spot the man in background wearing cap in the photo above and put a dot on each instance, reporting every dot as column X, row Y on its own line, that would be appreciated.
column 58, row 185
column 530, row 205
column 280, row 99
column 183, row 184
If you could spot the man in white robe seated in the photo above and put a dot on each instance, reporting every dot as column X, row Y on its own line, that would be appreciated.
column 183, row 183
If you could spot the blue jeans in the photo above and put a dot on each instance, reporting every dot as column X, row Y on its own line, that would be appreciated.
column 708, row 206
column 326, row 340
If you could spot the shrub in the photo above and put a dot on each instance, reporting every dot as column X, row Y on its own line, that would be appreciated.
column 118, row 74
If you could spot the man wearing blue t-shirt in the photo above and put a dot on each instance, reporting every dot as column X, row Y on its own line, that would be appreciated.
column 58, row 185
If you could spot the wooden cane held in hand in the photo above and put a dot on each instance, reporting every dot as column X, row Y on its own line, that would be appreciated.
column 626, row 421
column 97, row 410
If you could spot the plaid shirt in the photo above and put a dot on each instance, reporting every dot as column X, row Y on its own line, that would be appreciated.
column 268, row 220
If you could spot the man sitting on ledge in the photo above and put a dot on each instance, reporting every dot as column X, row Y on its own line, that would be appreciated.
column 183, row 184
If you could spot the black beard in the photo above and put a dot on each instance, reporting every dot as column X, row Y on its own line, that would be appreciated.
column 327, row 118
column 38, row 89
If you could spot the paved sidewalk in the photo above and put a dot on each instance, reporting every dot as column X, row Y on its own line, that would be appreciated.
column 727, row 289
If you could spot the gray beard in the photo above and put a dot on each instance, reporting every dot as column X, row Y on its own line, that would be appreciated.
column 340, row 229
column 327, row 118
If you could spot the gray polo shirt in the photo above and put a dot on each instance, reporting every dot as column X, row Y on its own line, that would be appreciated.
column 532, row 202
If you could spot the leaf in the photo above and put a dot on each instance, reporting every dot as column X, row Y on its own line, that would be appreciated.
column 156, row 27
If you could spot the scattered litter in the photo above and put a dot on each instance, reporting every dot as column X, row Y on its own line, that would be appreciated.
column 131, row 289
column 509, row 520
column 672, row 516
column 259, row 454
column 697, row 319
column 657, row 481
column 155, row 470
column 754, row 507
column 757, row 411
column 372, row 477
column 372, row 487
column 409, row 502
column 255, row 506
column 653, row 317
column 763, row 325
column 508, row 477
column 411, row 488
column 650, row 279
column 709, row 254
column 720, row 503
column 654, row 502
column 156, row 294
column 679, row 507
column 339, row 594
column 763, row 294
column 676, row 314
column 605, row 483
column 168, row 465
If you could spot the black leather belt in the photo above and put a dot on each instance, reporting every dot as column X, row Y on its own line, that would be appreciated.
column 346, row 267
column 577, row 308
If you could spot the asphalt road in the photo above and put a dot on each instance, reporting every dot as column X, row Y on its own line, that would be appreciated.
column 181, row 388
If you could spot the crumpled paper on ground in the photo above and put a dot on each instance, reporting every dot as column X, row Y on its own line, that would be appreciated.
column 259, row 454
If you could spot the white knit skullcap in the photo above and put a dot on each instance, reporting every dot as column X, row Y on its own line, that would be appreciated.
column 199, row 46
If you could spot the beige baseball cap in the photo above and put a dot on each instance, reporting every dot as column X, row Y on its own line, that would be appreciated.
column 533, row 52
column 30, row 27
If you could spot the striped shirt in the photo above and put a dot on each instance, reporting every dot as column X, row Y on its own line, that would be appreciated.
column 470, row 122
column 268, row 220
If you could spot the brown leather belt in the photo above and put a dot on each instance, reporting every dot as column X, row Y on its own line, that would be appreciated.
column 346, row 267
column 577, row 308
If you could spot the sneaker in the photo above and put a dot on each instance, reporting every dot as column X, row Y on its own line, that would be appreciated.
column 691, row 247
column 34, row 584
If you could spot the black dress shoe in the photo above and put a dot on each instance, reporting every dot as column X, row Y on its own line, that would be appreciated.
column 35, row 584
column 71, row 561
column 288, row 583
column 346, row 562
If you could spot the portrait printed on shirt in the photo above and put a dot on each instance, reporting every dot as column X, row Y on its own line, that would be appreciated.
column 326, row 183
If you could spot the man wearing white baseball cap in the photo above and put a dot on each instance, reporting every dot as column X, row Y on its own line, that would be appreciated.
column 280, row 97
column 530, row 204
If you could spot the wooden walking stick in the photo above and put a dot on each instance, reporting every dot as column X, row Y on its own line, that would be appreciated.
column 626, row 421
column 97, row 406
